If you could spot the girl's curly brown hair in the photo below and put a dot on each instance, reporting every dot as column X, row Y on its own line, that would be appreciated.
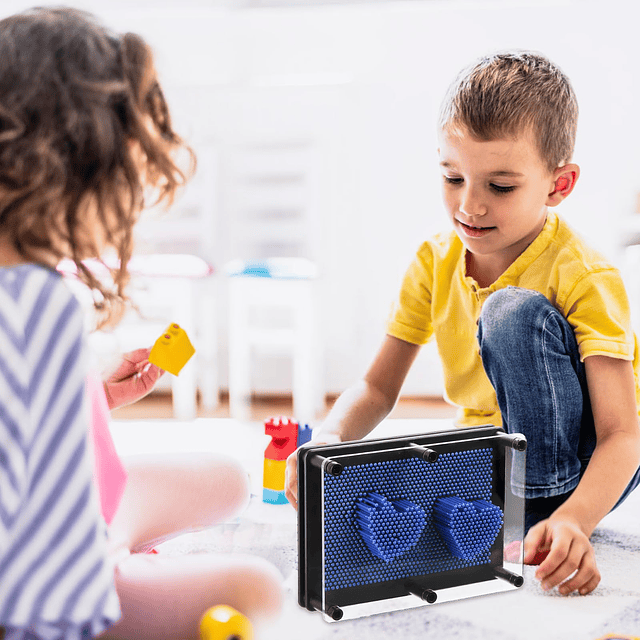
column 84, row 129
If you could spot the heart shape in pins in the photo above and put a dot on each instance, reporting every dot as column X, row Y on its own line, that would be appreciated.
column 467, row 528
column 389, row 528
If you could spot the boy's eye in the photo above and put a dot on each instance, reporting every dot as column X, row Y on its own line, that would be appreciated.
column 452, row 180
column 500, row 189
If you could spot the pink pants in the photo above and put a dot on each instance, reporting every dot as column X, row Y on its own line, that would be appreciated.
column 165, row 597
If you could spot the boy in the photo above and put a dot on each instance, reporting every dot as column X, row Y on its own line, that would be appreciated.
column 532, row 326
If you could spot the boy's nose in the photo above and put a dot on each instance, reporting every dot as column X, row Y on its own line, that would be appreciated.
column 471, row 205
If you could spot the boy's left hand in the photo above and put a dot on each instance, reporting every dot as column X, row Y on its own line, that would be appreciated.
column 132, row 380
column 569, row 552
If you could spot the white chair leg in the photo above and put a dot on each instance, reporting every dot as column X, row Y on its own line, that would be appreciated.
column 239, row 354
column 183, row 393
column 181, row 292
column 208, row 352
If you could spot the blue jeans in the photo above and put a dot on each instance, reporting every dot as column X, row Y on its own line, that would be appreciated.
column 531, row 357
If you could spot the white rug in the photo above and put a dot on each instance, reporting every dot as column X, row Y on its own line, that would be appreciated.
column 270, row 531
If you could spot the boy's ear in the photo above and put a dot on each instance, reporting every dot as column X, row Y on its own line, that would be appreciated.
column 564, row 180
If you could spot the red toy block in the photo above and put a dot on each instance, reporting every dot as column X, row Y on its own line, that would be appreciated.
column 284, row 438
column 513, row 551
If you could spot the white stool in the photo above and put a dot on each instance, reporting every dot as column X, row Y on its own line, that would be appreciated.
column 283, row 284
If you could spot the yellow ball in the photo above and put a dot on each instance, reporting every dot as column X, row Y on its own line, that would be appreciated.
column 225, row 623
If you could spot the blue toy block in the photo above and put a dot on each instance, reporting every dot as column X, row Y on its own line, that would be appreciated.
column 304, row 434
column 274, row 497
column 467, row 528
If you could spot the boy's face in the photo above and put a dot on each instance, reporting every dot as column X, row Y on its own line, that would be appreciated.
column 496, row 194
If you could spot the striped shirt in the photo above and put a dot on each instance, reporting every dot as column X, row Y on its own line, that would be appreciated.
column 56, row 582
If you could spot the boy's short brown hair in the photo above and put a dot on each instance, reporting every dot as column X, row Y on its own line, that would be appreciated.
column 507, row 93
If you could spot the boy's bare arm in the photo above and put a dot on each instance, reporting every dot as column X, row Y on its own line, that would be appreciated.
column 615, row 460
column 617, row 455
column 364, row 405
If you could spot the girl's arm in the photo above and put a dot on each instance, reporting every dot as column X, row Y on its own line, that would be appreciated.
column 364, row 405
column 614, row 461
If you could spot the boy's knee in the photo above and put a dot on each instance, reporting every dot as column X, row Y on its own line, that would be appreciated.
column 509, row 314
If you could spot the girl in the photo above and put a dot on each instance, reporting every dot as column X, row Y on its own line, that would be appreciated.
column 84, row 131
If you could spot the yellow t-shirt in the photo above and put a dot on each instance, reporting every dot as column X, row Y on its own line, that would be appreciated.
column 439, row 300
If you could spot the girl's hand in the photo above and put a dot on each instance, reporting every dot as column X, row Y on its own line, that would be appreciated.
column 132, row 380
column 570, row 561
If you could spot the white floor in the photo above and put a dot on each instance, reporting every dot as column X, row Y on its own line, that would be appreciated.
column 525, row 614
column 247, row 442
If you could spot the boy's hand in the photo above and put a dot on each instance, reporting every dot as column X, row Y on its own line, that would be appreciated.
column 132, row 380
column 291, row 479
column 291, row 470
column 569, row 552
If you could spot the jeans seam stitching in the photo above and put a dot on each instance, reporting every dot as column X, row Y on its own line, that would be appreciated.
column 554, row 398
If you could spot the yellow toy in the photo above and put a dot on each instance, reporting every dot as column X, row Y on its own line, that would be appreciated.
column 273, row 477
column 172, row 350
column 225, row 623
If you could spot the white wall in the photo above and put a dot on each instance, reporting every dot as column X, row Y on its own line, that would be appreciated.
column 364, row 82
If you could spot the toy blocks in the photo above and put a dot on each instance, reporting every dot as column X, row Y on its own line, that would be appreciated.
column 225, row 623
column 286, row 436
column 273, row 477
column 172, row 350
column 304, row 434
column 399, row 522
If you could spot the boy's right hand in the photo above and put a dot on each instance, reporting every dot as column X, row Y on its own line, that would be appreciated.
column 291, row 470
column 569, row 563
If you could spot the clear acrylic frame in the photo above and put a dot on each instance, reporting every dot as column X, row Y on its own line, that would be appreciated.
column 371, row 537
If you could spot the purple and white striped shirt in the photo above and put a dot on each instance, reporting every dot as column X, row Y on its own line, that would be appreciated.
column 56, row 582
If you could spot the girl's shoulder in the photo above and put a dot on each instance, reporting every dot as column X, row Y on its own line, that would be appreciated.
column 31, row 292
column 17, row 280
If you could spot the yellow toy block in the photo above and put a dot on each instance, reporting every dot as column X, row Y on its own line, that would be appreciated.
column 225, row 623
column 274, row 474
column 172, row 350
